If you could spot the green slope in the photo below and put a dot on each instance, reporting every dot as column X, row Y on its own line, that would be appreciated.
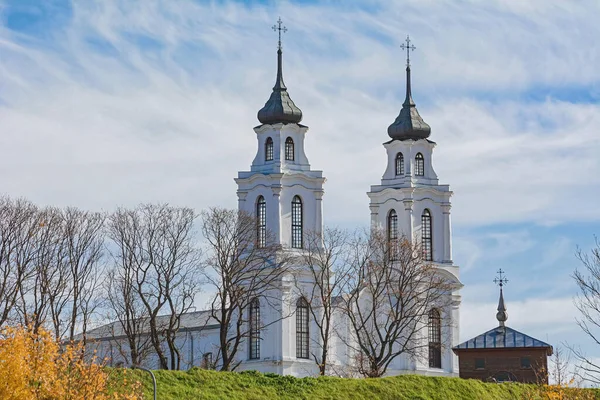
column 202, row 384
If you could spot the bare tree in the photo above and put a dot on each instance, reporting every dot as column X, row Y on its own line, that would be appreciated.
column 390, row 292
column 49, row 283
column 83, row 233
column 158, row 259
column 19, row 227
column 240, row 271
column 325, row 262
column 588, row 304
column 128, row 312
column 561, row 371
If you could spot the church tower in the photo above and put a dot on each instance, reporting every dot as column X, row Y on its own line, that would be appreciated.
column 411, row 202
column 285, row 195
column 280, row 188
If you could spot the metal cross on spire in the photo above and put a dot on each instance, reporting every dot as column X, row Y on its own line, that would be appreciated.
column 408, row 47
column 279, row 28
column 500, row 280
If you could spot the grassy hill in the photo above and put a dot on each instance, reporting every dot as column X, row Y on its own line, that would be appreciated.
column 202, row 384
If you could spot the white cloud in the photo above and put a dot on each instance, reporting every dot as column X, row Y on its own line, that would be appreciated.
column 546, row 319
column 165, row 110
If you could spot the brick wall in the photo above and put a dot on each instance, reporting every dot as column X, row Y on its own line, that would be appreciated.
column 498, row 362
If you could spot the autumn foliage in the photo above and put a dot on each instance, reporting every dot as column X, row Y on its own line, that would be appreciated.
column 33, row 365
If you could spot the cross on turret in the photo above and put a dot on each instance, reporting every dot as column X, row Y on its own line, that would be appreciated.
column 279, row 28
column 408, row 47
column 500, row 280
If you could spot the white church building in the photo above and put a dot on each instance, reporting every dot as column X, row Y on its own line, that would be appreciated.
column 286, row 195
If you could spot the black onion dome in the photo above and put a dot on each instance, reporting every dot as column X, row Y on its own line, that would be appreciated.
column 409, row 124
column 279, row 108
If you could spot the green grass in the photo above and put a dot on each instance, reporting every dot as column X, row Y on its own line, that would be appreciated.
column 202, row 384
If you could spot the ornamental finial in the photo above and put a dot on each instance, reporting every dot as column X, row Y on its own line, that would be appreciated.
column 501, row 315
column 408, row 47
column 279, row 28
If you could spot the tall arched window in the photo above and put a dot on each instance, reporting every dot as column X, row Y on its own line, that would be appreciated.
column 269, row 149
column 392, row 225
column 419, row 165
column 399, row 164
column 392, row 233
column 435, row 339
column 261, row 222
column 426, row 236
column 297, row 223
column 254, row 321
column 289, row 149
column 302, row 320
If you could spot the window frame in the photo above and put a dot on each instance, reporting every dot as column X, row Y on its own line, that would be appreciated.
column 261, row 221
column 289, row 149
column 399, row 164
column 526, row 364
column 302, row 329
column 269, row 149
column 419, row 164
column 297, row 241
column 481, row 363
column 392, row 234
column 427, row 235
column 434, row 338
column 254, row 330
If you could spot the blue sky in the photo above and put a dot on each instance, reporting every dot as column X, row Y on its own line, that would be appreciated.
column 107, row 103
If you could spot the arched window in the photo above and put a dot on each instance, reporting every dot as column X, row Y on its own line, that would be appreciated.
column 289, row 149
column 426, row 236
column 261, row 222
column 254, row 322
column 297, row 223
column 392, row 233
column 435, row 339
column 419, row 165
column 302, row 319
column 392, row 225
column 399, row 164
column 269, row 149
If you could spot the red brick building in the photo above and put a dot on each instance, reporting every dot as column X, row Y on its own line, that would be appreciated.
column 503, row 354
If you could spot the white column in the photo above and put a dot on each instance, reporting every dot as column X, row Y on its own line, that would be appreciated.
column 275, row 213
column 447, row 258
column 409, row 224
column 374, row 214
column 455, row 307
column 242, row 200
column 319, row 211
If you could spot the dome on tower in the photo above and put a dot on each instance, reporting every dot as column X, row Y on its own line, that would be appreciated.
column 409, row 124
column 279, row 108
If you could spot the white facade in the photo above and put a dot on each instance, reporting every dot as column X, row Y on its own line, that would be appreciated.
column 279, row 180
column 281, row 173
column 409, row 190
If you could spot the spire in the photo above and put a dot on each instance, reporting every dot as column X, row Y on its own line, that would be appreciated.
column 409, row 124
column 501, row 315
column 279, row 108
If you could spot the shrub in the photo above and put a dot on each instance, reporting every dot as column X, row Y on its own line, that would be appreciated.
column 33, row 365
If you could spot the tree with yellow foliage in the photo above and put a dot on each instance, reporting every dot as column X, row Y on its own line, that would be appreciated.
column 34, row 366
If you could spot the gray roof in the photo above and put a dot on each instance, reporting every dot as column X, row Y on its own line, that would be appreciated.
column 279, row 108
column 409, row 124
column 502, row 338
column 196, row 320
